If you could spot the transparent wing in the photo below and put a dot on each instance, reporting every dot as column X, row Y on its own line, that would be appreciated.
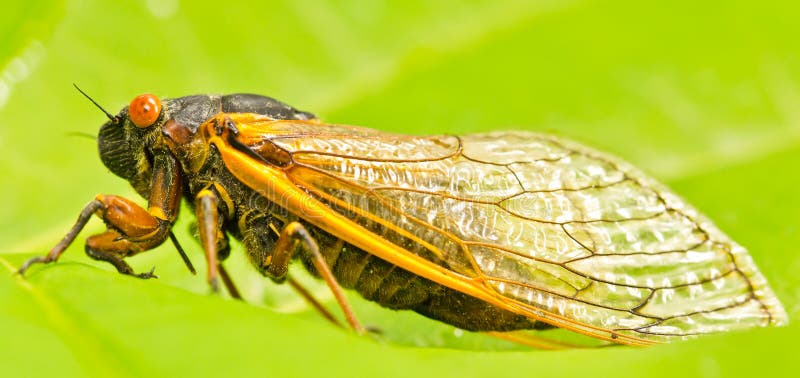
column 539, row 220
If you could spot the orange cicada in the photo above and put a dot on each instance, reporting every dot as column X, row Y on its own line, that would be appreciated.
column 495, row 232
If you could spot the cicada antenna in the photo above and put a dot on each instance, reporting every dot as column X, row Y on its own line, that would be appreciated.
column 82, row 135
column 111, row 117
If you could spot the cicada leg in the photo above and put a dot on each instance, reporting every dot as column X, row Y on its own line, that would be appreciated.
column 213, row 239
column 300, row 289
column 285, row 247
column 131, row 228
column 56, row 252
column 226, row 279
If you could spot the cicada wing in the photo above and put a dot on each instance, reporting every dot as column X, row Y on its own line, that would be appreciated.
column 534, row 224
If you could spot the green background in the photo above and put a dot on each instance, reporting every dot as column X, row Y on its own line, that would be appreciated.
column 705, row 96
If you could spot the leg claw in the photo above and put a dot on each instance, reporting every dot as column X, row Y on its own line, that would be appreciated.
column 34, row 260
column 214, row 283
column 150, row 274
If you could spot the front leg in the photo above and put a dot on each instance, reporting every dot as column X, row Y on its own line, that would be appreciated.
column 131, row 229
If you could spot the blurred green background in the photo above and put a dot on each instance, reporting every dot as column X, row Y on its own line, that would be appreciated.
column 702, row 95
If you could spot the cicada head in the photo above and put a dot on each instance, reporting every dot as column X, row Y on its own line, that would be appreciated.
column 127, row 142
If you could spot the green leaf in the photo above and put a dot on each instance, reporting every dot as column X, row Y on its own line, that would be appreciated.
column 701, row 95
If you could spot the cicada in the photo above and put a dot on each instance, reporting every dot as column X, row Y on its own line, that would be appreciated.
column 489, row 232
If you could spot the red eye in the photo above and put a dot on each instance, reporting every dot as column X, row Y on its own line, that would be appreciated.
column 144, row 110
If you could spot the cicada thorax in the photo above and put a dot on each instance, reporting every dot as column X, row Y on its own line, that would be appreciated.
column 201, row 164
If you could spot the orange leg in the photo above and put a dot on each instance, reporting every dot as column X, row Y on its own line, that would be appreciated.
column 213, row 239
column 285, row 247
column 131, row 230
